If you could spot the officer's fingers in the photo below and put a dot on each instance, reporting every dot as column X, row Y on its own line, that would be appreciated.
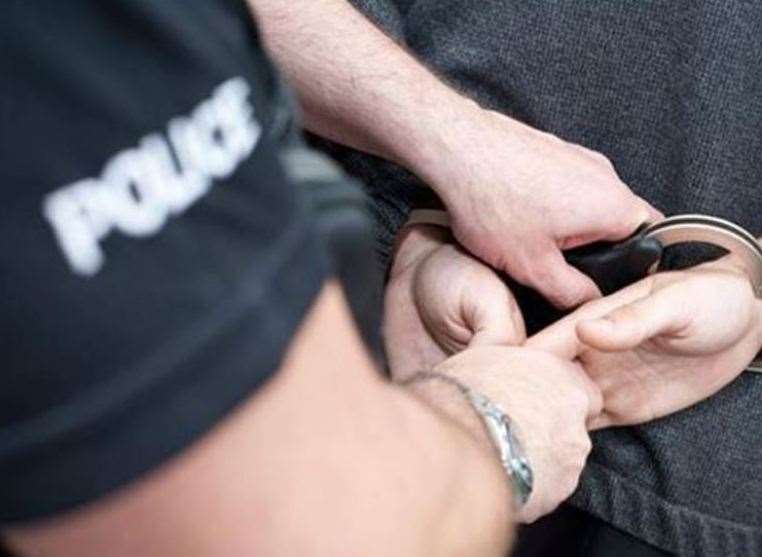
column 654, row 215
column 561, row 284
column 559, row 339
column 616, row 225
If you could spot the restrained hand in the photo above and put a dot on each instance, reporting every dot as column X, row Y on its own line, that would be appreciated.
column 518, row 196
column 440, row 300
column 664, row 343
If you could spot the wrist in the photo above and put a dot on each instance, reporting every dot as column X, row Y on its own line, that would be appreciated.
column 416, row 127
column 414, row 243
column 733, row 264
column 447, row 399
column 445, row 132
column 496, row 431
column 453, row 142
column 729, row 263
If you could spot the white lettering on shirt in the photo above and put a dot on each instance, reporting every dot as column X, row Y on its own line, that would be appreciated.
column 140, row 188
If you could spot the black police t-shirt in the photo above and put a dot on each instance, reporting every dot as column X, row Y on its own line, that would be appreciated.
column 155, row 259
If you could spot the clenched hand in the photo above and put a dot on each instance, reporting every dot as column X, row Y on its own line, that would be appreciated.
column 518, row 197
column 549, row 401
column 440, row 300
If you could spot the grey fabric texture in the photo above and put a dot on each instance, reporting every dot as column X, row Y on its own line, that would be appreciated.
column 671, row 92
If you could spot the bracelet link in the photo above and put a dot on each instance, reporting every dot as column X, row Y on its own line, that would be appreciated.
column 498, row 426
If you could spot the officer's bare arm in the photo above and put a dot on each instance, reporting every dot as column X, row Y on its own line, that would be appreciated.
column 356, row 85
column 328, row 459
column 508, row 187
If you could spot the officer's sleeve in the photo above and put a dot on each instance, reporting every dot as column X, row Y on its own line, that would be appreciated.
column 155, row 258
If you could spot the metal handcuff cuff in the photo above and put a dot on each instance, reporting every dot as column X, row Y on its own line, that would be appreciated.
column 613, row 266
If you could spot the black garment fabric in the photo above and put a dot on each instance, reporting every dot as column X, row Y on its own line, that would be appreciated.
column 671, row 92
column 570, row 532
column 158, row 243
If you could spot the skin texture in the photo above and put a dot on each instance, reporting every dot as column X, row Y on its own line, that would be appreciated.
column 654, row 348
column 434, row 303
column 517, row 196
column 664, row 343
column 523, row 196
column 325, row 460
column 439, row 301
column 556, row 441
column 404, row 471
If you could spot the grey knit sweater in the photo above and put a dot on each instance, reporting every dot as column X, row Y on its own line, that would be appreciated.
column 671, row 91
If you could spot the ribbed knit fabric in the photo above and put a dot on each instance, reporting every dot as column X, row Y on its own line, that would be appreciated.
column 671, row 91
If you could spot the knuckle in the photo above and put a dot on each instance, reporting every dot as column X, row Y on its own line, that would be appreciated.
column 570, row 485
column 573, row 455
column 585, row 447
column 565, row 484
column 626, row 313
column 577, row 445
column 603, row 159
column 569, row 297
column 638, row 212
column 529, row 268
column 625, row 221
column 577, row 460
column 580, row 450
column 543, row 266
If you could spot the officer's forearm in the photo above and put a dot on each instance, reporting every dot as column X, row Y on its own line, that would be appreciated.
column 326, row 459
column 356, row 85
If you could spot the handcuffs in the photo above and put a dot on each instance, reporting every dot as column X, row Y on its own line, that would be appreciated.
column 613, row 266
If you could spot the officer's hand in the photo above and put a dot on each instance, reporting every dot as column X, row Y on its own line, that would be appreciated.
column 664, row 343
column 441, row 300
column 549, row 401
column 518, row 196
